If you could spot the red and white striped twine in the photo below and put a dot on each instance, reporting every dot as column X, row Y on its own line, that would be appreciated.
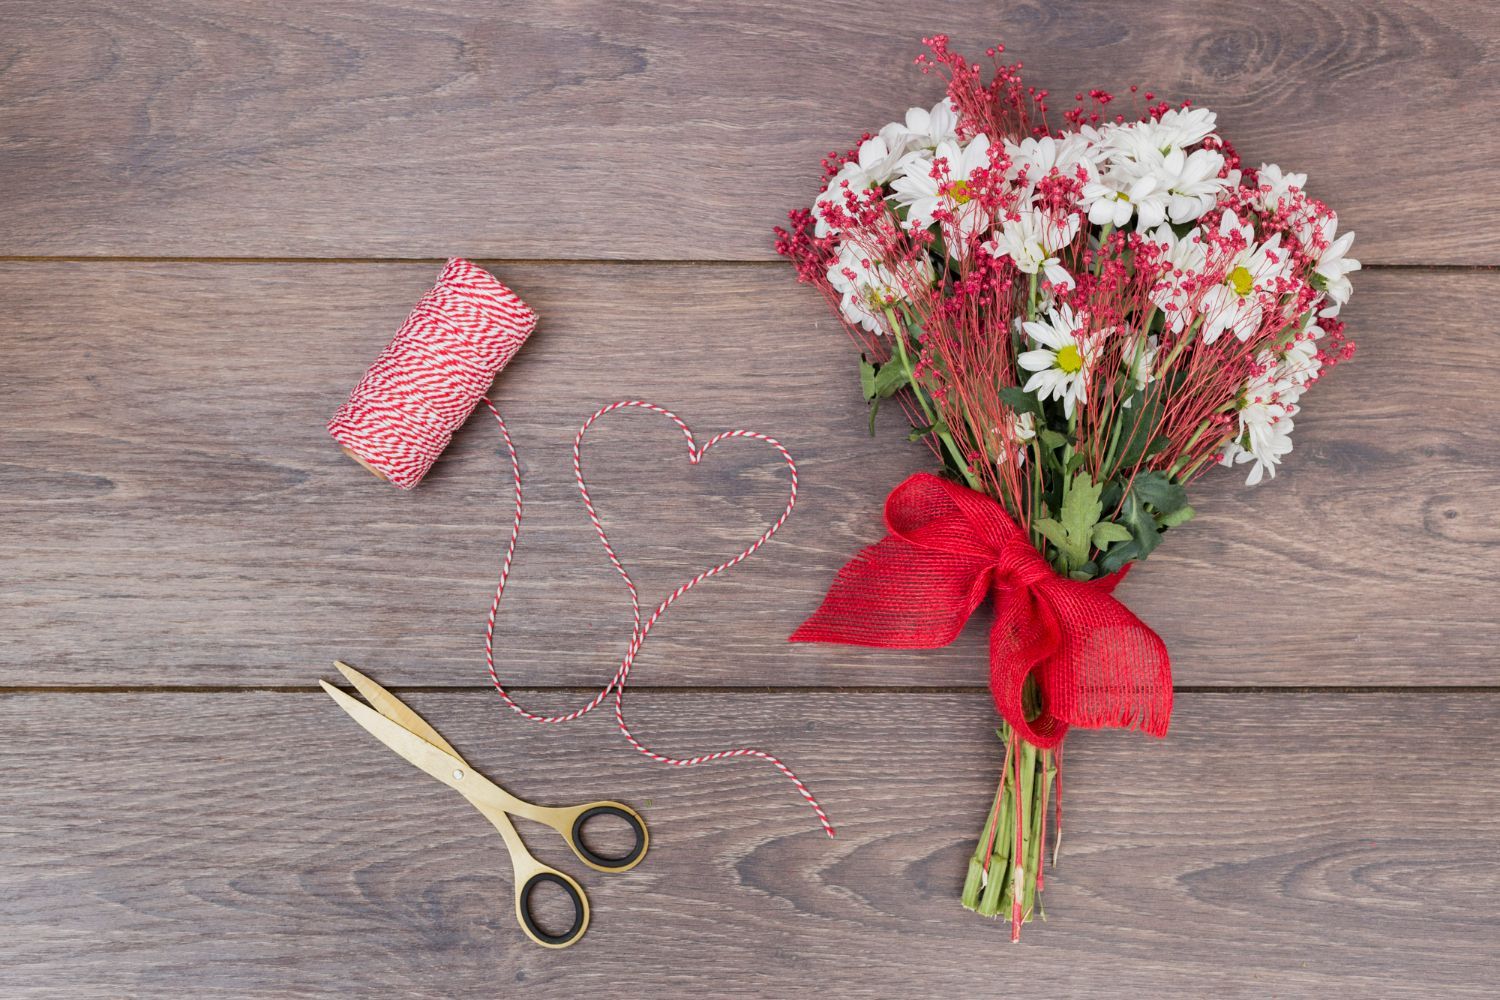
column 639, row 629
column 432, row 374
column 424, row 385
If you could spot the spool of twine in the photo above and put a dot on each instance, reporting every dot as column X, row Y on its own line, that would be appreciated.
column 423, row 386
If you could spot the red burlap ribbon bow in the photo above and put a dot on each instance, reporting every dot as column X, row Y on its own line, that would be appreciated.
column 1096, row 664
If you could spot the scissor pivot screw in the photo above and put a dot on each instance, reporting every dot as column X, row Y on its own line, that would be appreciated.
column 458, row 774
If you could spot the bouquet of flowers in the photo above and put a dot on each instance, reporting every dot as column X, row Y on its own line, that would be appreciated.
column 1080, row 320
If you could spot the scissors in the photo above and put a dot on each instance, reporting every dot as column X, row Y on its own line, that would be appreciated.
column 407, row 733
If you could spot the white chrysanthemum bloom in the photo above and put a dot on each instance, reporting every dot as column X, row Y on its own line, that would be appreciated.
column 924, row 195
column 868, row 288
column 1185, row 259
column 1268, row 403
column 1333, row 267
column 1234, row 304
column 1300, row 364
column 1060, row 367
column 1038, row 157
column 1276, row 447
column 1032, row 241
column 1192, row 182
column 849, row 178
column 1011, row 446
column 878, row 160
column 1122, row 192
column 924, row 129
column 1179, row 128
column 1146, row 171
column 1276, row 186
column 1142, row 364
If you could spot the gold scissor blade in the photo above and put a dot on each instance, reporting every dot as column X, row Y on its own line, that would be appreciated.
column 443, row 766
column 393, row 708
column 451, row 770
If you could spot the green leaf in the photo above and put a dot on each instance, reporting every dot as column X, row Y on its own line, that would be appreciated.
column 1051, row 530
column 1181, row 515
column 1160, row 492
column 1080, row 512
column 1145, row 412
column 889, row 380
column 1145, row 534
column 1017, row 399
column 1051, row 439
column 1118, row 556
column 1106, row 532
column 866, row 378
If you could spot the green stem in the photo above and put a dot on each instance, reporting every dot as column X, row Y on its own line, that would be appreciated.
column 990, row 888
column 1103, row 239
column 960, row 461
column 1177, row 349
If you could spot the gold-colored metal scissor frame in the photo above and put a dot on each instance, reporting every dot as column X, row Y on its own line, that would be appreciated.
column 389, row 720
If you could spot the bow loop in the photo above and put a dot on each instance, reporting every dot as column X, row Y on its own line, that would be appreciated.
column 1095, row 664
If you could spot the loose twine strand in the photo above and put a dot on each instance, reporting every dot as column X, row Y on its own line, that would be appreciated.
column 639, row 629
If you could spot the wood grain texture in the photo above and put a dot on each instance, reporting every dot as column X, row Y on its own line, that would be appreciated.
column 666, row 129
column 174, row 512
column 261, row 845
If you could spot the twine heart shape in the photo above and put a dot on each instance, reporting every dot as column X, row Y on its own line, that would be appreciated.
column 641, row 629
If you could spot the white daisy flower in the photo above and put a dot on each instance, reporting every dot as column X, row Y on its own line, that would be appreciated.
column 1192, row 182
column 1038, row 157
column 1185, row 259
column 1234, row 304
column 1011, row 444
column 880, row 156
column 925, row 129
column 1061, row 365
column 1267, row 404
column 1333, row 268
column 1032, row 240
column 1300, row 363
column 1146, row 171
column 1178, row 128
column 1276, row 186
column 925, row 195
column 849, row 178
column 1277, row 446
column 868, row 288
column 1122, row 192
column 1142, row 364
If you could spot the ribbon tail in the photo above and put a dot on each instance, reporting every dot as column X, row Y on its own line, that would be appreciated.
column 1024, row 637
column 1095, row 664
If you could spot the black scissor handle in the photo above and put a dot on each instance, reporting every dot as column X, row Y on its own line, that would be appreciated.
column 533, row 930
column 616, row 864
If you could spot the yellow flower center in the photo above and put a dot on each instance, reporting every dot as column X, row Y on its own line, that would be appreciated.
column 959, row 192
column 1069, row 360
column 1121, row 196
column 1241, row 280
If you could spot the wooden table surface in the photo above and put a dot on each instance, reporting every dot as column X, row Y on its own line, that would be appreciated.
column 213, row 214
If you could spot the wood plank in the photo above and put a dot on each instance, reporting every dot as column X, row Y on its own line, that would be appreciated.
column 175, row 514
column 664, row 129
column 258, row 845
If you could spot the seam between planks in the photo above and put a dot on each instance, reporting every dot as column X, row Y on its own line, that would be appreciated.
column 552, row 262
column 1247, row 689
